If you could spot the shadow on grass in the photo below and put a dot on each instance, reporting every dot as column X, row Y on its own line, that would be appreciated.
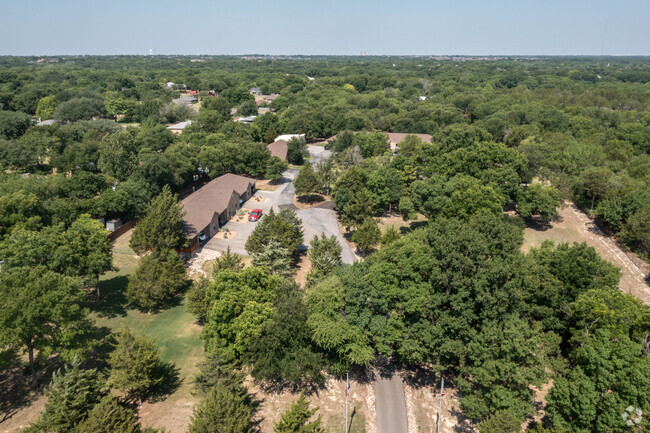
column 311, row 198
column 541, row 225
column 15, row 392
column 171, row 381
column 113, row 300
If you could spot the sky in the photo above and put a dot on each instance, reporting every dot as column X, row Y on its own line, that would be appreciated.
column 336, row 27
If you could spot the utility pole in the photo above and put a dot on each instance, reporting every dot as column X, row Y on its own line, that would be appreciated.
column 347, row 389
column 442, row 392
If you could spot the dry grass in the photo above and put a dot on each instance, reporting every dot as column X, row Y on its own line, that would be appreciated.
column 265, row 185
column 573, row 225
column 331, row 402
column 314, row 201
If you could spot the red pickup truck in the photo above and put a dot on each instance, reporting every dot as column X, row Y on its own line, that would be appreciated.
column 255, row 215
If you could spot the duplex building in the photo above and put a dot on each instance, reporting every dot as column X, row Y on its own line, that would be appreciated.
column 213, row 205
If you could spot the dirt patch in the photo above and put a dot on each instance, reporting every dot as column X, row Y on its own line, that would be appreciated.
column 173, row 415
column 304, row 267
column 422, row 403
column 221, row 234
column 331, row 402
column 258, row 199
column 316, row 200
column 266, row 185
column 241, row 216
column 573, row 225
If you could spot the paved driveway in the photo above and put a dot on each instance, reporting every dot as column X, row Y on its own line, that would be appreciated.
column 315, row 221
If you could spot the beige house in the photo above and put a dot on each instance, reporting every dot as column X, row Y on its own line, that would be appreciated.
column 213, row 205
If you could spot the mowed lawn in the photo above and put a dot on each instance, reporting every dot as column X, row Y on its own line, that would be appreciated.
column 173, row 329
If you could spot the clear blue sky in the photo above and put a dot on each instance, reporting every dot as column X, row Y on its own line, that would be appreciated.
column 480, row 27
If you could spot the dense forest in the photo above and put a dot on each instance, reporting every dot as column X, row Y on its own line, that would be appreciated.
column 512, row 139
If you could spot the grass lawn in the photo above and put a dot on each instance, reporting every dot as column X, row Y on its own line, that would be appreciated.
column 173, row 329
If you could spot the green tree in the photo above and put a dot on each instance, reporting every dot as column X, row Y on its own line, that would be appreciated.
column 196, row 302
column 13, row 124
column 276, row 168
column 391, row 234
column 367, row 236
column 162, row 225
column 222, row 411
column 606, row 376
column 306, row 183
column 297, row 151
column 117, row 155
column 20, row 208
column 325, row 256
column 71, row 394
column 247, row 108
column 159, row 277
column 270, row 134
column 283, row 352
column 275, row 258
column 88, row 251
column 296, row 418
column 637, row 230
column 285, row 227
column 109, row 416
column 500, row 422
column 239, row 305
column 385, row 188
column 46, row 107
column 41, row 311
column 134, row 365
column 79, row 109
column 594, row 183
column 539, row 200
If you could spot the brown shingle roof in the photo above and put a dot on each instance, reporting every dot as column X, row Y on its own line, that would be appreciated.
column 213, row 197
column 398, row 137
column 279, row 148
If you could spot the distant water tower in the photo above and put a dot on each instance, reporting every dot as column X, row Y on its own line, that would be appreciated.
column 151, row 52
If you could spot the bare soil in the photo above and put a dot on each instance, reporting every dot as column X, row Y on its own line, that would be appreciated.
column 304, row 267
column 573, row 225
column 331, row 402
column 423, row 403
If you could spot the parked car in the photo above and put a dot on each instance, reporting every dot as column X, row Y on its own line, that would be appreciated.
column 202, row 237
column 255, row 215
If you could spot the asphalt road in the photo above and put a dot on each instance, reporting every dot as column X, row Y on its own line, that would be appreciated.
column 390, row 404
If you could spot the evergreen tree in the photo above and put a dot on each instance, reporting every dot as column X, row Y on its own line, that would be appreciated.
column 367, row 236
column 213, row 371
column 196, row 302
column 325, row 256
column 296, row 418
column 228, row 260
column 306, row 183
column 162, row 226
column 158, row 278
column 275, row 258
column 297, row 151
column 109, row 416
column 500, row 422
column 391, row 234
column 134, row 365
column 285, row 227
column 71, row 394
column 270, row 134
column 222, row 411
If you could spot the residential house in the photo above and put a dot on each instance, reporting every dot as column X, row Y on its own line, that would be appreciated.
column 213, row 205
column 177, row 128
column 248, row 119
column 395, row 138
column 279, row 148
column 255, row 91
column 287, row 137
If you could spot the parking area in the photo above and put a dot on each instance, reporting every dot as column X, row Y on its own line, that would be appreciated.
column 315, row 221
